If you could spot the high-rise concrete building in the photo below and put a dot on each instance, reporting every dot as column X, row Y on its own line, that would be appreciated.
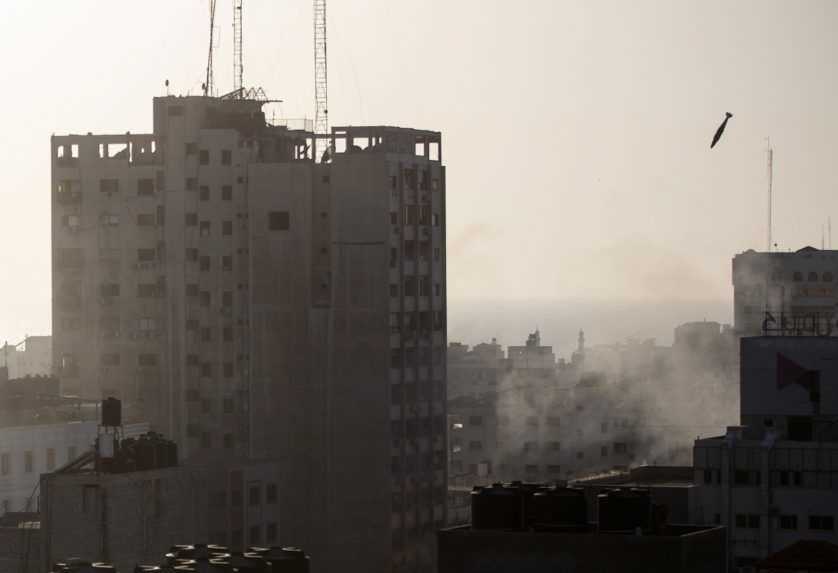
column 258, row 302
column 787, row 293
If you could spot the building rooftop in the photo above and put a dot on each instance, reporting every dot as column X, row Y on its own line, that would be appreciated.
column 803, row 555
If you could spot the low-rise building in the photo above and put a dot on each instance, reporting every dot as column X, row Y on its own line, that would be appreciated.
column 774, row 480
column 32, row 357
column 134, row 517
column 526, row 527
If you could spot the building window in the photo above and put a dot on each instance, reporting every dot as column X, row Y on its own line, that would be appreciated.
column 475, row 445
column 822, row 522
column 813, row 277
column 228, row 369
column 204, row 193
column 279, row 221
column 788, row 522
column 790, row 478
column 227, row 228
column 747, row 477
column 145, row 187
column 603, row 451
column 109, row 185
column 620, row 448
column 227, row 193
column 5, row 464
column 50, row 459
column 530, row 446
column 226, row 157
column 827, row 277
column 270, row 532
column 531, row 469
column 191, row 219
column 554, row 469
column 228, row 441
column 747, row 521
column 227, row 263
column 147, row 360
column 146, row 255
column 227, row 334
column 205, row 228
column 475, row 420
column 254, row 495
column 28, row 462
column 394, row 291
column 797, row 277
column 191, row 184
column 203, row 157
column 205, row 264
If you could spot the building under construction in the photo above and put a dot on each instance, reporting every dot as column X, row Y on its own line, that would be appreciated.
column 256, row 299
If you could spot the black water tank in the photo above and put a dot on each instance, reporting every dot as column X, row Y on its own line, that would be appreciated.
column 111, row 412
column 560, row 506
column 497, row 507
column 624, row 510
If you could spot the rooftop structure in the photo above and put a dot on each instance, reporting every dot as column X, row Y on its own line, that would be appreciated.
column 527, row 527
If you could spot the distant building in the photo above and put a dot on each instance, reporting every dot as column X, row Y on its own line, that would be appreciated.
column 476, row 371
column 526, row 527
column 785, row 292
column 532, row 357
column 136, row 517
column 774, row 479
column 32, row 357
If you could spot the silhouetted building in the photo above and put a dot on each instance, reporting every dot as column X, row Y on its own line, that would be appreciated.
column 32, row 357
column 527, row 527
column 259, row 302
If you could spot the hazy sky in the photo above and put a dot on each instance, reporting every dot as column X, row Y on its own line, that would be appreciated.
column 576, row 135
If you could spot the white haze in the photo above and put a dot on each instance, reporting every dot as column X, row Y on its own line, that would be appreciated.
column 576, row 134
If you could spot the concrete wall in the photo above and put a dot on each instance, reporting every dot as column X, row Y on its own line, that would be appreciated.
column 134, row 518
column 463, row 550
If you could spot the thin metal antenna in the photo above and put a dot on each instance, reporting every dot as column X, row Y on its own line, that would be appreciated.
column 829, row 232
column 209, row 85
column 770, row 191
column 321, row 76
column 238, row 59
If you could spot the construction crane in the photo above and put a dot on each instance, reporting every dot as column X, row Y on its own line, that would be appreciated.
column 321, row 91
column 238, row 64
column 209, row 87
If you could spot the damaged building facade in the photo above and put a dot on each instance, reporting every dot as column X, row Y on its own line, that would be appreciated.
column 259, row 301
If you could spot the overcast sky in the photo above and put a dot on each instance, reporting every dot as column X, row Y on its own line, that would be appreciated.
column 576, row 134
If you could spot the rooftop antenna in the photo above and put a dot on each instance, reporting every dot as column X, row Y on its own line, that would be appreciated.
column 321, row 76
column 209, row 88
column 238, row 62
column 829, row 232
column 770, row 191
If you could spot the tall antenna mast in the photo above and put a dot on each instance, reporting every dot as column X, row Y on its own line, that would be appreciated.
column 321, row 90
column 238, row 63
column 770, row 190
column 209, row 87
